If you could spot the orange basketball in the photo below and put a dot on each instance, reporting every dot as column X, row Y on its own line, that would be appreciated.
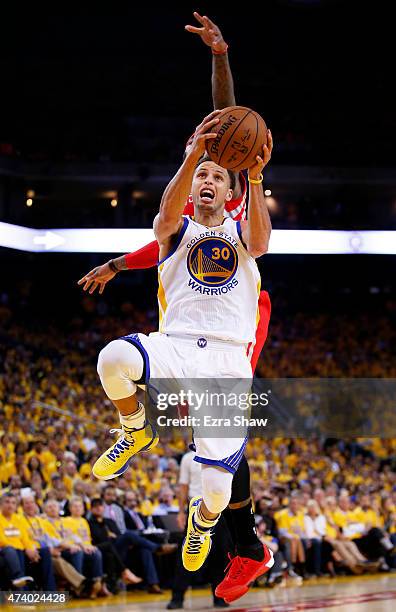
column 241, row 135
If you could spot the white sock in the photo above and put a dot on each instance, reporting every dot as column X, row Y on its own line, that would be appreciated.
column 134, row 420
column 202, row 523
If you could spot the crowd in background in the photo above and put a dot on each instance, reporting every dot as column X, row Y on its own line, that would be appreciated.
column 323, row 505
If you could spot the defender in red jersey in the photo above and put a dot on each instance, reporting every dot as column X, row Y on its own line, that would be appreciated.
column 251, row 559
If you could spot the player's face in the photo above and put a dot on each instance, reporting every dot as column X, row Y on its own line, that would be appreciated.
column 211, row 187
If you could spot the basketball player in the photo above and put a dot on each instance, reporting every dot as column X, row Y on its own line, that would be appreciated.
column 248, row 547
column 147, row 257
column 194, row 341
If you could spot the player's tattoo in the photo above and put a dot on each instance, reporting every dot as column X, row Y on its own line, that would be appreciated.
column 223, row 94
column 120, row 263
column 222, row 82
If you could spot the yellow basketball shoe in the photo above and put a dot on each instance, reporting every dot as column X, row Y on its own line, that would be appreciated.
column 197, row 544
column 115, row 461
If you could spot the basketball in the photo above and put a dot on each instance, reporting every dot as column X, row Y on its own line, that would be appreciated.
column 241, row 135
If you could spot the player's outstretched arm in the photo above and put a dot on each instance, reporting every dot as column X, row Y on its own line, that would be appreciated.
column 257, row 230
column 146, row 257
column 169, row 219
column 222, row 82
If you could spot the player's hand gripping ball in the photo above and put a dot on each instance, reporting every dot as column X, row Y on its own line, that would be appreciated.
column 241, row 134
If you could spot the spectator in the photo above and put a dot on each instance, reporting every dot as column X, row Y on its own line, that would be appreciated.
column 45, row 538
column 346, row 551
column 91, row 560
column 374, row 543
column 145, row 547
column 71, row 475
column 268, row 534
column 113, row 510
column 54, row 361
column 107, row 537
column 166, row 503
column 19, row 549
column 133, row 519
column 34, row 467
column 291, row 528
column 315, row 531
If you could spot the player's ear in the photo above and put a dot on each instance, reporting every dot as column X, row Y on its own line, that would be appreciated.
column 229, row 195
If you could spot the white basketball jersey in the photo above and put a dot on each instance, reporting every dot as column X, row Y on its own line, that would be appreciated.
column 209, row 284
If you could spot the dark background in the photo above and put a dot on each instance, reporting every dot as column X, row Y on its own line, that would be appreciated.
column 321, row 73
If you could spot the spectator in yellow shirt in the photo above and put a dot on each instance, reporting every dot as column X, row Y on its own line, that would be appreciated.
column 290, row 523
column 33, row 523
column 55, row 527
column 372, row 543
column 367, row 515
column 389, row 514
column 71, row 475
column 43, row 533
column 91, row 561
column 19, row 549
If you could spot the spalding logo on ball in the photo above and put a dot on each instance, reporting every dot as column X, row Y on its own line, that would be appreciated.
column 241, row 136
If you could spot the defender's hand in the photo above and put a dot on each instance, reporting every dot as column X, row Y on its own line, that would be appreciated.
column 98, row 277
column 210, row 33
column 202, row 133
column 257, row 168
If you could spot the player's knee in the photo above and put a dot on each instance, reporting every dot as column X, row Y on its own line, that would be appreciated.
column 216, row 487
column 110, row 359
column 120, row 364
column 216, row 500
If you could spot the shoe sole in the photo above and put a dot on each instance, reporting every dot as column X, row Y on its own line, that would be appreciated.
column 244, row 589
column 152, row 444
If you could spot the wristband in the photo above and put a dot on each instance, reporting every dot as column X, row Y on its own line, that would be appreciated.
column 256, row 181
column 112, row 266
column 220, row 52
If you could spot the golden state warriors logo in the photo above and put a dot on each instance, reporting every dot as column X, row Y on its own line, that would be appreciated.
column 212, row 262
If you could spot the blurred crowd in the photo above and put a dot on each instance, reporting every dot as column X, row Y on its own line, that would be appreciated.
column 322, row 505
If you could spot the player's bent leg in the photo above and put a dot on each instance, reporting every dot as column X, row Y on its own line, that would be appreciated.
column 120, row 366
column 204, row 513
